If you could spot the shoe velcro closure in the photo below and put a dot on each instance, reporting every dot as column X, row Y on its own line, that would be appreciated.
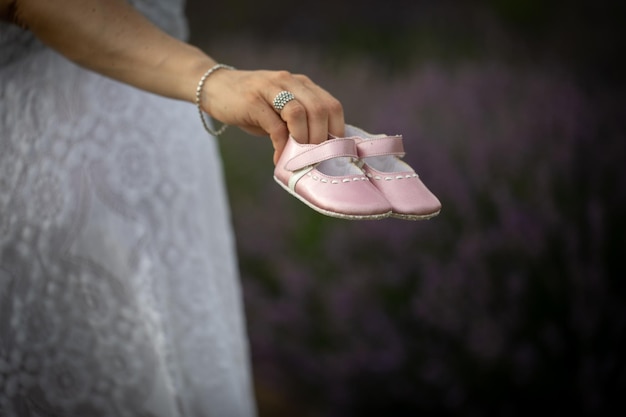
column 389, row 145
column 332, row 148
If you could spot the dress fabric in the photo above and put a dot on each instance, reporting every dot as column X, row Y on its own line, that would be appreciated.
column 119, row 291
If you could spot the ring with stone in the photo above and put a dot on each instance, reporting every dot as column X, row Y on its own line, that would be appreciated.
column 282, row 99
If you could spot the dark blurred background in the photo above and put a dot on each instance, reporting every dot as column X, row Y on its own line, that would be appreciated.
column 512, row 300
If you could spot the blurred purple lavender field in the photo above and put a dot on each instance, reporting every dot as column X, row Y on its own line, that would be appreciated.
column 510, row 301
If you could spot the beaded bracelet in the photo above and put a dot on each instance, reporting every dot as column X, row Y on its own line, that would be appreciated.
column 199, row 93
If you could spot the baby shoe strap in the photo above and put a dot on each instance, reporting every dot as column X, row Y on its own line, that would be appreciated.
column 329, row 149
column 388, row 145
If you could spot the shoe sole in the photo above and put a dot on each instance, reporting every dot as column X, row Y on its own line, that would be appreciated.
column 414, row 216
column 332, row 213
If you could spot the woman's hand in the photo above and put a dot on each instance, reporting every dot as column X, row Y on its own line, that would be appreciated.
column 245, row 99
column 119, row 42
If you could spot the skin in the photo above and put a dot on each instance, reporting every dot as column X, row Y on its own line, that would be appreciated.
column 110, row 37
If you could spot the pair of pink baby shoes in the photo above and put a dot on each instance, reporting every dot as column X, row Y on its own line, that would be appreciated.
column 357, row 177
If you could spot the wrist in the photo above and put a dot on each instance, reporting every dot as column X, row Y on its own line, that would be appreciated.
column 195, row 70
column 201, row 96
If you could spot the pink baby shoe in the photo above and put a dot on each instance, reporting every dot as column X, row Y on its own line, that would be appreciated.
column 380, row 159
column 325, row 178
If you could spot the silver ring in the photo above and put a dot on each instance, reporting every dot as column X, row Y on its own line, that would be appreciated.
column 282, row 99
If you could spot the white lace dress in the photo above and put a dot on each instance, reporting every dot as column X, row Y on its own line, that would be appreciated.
column 119, row 293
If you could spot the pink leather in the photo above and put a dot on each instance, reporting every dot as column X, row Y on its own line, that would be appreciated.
column 345, row 196
column 405, row 191
column 390, row 145
column 312, row 154
column 385, row 185
column 350, row 195
column 408, row 195
column 297, row 155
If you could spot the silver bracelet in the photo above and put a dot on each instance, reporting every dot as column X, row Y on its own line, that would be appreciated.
column 199, row 93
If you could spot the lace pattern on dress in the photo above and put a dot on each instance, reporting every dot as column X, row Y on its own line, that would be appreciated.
column 119, row 292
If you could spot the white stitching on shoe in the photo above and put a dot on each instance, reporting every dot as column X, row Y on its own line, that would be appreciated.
column 320, row 179
column 398, row 177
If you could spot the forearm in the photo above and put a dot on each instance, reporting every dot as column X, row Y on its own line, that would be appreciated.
column 110, row 37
